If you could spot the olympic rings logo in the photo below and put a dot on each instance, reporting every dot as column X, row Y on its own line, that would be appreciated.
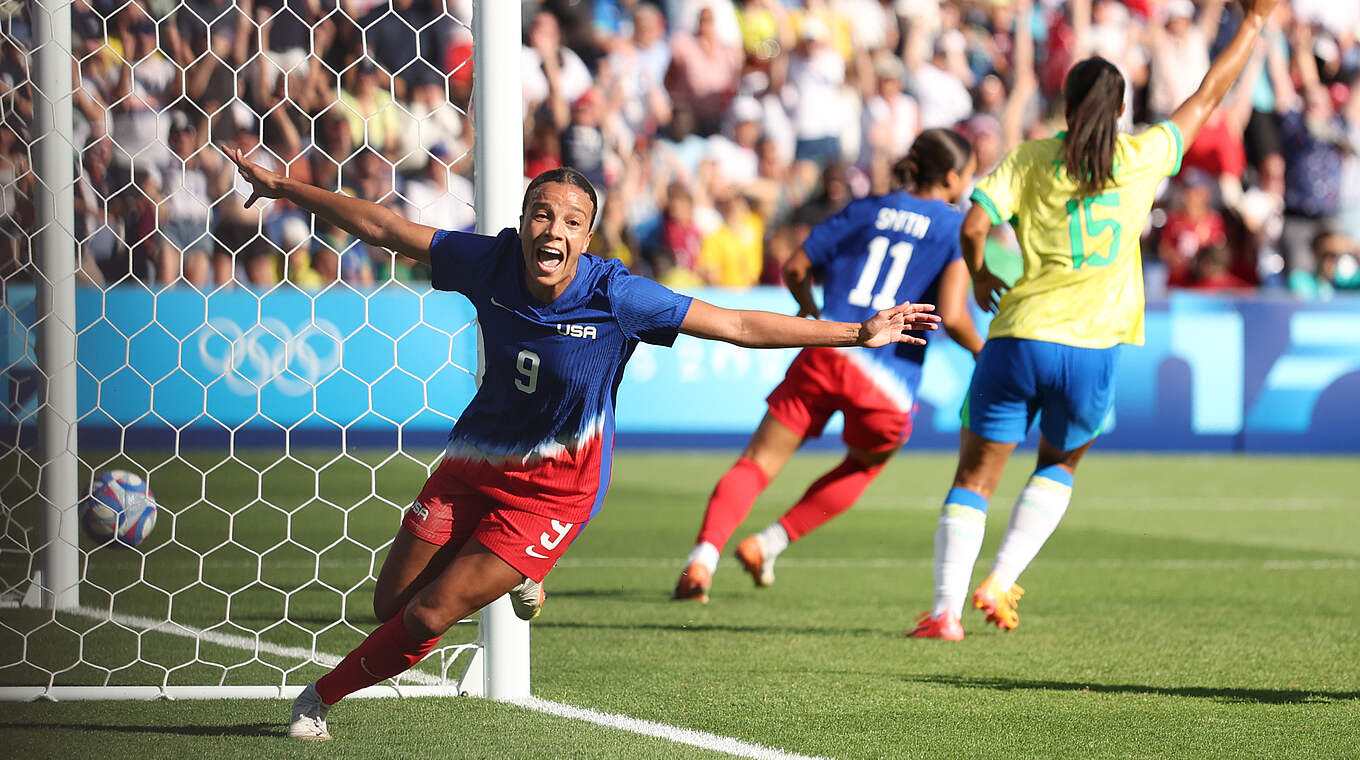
column 271, row 354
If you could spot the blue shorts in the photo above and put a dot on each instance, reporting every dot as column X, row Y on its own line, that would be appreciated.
column 1016, row 379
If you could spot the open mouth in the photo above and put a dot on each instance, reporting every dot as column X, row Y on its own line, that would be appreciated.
column 549, row 259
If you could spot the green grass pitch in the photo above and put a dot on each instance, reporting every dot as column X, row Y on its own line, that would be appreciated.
column 1189, row 606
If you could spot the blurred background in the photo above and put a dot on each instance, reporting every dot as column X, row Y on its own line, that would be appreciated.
column 718, row 131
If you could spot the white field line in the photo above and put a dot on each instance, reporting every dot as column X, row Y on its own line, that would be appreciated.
column 701, row 739
column 675, row 734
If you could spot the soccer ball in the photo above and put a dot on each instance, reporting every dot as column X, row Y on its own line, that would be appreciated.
column 119, row 506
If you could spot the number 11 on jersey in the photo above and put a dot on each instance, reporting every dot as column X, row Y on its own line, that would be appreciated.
column 863, row 294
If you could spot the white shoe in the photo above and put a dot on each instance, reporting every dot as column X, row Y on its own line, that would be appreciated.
column 527, row 599
column 309, row 716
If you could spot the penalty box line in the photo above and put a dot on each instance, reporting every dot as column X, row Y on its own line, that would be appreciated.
column 675, row 734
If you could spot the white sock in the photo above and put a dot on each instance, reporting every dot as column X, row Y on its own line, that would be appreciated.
column 958, row 540
column 705, row 554
column 773, row 540
column 1038, row 510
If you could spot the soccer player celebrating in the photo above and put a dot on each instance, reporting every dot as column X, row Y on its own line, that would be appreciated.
column 528, row 461
column 877, row 251
column 1078, row 203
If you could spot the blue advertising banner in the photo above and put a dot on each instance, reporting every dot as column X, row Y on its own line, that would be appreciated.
column 1216, row 374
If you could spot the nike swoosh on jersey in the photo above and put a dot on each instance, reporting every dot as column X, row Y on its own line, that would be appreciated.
column 494, row 302
column 533, row 552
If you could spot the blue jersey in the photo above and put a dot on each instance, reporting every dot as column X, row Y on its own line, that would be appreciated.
column 539, row 432
column 878, row 252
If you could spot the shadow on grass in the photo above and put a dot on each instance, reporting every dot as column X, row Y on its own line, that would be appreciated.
column 242, row 729
column 773, row 630
column 1255, row 696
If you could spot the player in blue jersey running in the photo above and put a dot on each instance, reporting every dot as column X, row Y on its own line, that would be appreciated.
column 528, row 462
column 877, row 251
column 1078, row 202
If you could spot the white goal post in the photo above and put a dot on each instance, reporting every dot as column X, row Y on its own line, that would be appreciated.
column 276, row 422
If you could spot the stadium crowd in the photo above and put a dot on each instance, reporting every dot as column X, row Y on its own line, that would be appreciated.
column 717, row 131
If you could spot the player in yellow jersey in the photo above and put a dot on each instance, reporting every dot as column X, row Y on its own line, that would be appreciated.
column 1078, row 203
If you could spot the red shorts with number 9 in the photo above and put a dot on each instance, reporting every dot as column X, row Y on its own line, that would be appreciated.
column 822, row 381
column 448, row 510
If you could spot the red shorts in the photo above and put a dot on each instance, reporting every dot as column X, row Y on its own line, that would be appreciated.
column 822, row 381
column 448, row 510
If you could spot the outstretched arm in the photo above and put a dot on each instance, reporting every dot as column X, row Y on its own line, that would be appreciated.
column 1192, row 114
column 764, row 329
column 363, row 219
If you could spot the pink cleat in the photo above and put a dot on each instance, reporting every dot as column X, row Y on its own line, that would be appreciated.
column 942, row 626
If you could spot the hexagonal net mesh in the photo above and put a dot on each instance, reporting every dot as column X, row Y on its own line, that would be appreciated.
column 282, row 387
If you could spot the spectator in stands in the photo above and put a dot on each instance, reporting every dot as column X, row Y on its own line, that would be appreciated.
column 733, row 255
column 285, row 29
column 440, row 196
column 941, row 93
column 1261, row 211
column 704, row 73
column 680, row 236
column 369, row 108
column 429, row 119
column 613, row 239
column 734, row 151
column 1211, row 271
column 582, row 140
column 180, row 188
column 241, row 242
column 891, row 118
column 815, row 75
column 98, row 233
column 1316, row 140
column 637, row 67
column 545, row 63
column 1191, row 228
column 832, row 196
column 1180, row 53
column 1337, row 266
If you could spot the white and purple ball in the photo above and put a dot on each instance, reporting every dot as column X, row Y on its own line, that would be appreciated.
column 121, row 506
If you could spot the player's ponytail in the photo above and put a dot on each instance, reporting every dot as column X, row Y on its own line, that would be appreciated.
column 933, row 155
column 1094, row 91
column 567, row 176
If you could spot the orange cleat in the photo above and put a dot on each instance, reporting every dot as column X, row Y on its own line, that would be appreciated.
column 693, row 584
column 999, row 604
column 942, row 626
column 751, row 554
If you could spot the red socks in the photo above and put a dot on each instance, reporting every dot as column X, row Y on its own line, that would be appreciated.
column 731, row 501
column 385, row 653
column 832, row 494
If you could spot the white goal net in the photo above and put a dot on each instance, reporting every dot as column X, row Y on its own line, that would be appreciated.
column 281, row 387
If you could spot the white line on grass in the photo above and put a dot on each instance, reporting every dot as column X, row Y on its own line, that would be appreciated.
column 701, row 739
column 675, row 734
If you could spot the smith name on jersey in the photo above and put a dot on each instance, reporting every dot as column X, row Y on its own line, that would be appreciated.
column 539, row 432
column 878, row 252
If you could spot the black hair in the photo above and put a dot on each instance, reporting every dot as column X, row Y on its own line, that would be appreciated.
column 566, row 176
column 933, row 155
column 1094, row 91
